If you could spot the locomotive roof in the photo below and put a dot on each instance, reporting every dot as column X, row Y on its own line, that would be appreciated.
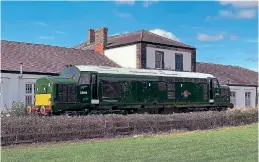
column 150, row 72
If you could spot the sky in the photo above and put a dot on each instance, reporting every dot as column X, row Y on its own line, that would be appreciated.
column 223, row 32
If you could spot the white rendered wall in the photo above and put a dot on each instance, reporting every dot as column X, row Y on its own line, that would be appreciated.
column 13, row 88
column 169, row 58
column 124, row 56
column 240, row 95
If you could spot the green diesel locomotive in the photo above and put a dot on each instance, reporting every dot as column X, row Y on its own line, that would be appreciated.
column 98, row 89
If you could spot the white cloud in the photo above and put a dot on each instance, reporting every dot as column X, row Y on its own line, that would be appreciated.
column 226, row 13
column 148, row 3
column 233, row 37
column 60, row 32
column 238, row 14
column 164, row 33
column 207, row 45
column 40, row 23
column 205, row 37
column 246, row 14
column 118, row 33
column 240, row 4
column 251, row 59
column 208, row 18
column 127, row 2
column 47, row 37
column 204, row 45
column 114, row 34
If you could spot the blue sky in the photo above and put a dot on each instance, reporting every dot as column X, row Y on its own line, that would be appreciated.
column 223, row 32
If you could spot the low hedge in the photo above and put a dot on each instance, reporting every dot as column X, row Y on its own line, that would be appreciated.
column 61, row 128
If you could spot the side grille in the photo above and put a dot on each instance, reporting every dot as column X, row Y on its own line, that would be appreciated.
column 66, row 93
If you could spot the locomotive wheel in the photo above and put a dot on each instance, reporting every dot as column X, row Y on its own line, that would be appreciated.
column 42, row 110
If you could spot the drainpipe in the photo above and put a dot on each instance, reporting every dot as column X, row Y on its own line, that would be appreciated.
column 256, row 98
column 21, row 70
column 18, row 82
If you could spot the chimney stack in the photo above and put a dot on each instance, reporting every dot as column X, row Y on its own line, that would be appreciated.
column 100, row 39
column 90, row 36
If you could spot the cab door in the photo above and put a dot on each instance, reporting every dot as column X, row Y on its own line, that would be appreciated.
column 84, row 88
column 94, row 89
column 214, row 90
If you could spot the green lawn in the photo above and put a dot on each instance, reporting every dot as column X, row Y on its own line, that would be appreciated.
column 227, row 144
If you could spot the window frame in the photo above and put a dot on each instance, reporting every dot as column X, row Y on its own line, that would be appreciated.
column 82, row 75
column 160, row 55
column 29, row 90
column 176, row 62
column 215, row 83
column 248, row 99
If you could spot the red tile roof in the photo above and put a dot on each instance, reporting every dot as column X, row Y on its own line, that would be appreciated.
column 227, row 74
column 52, row 59
column 45, row 58
column 134, row 37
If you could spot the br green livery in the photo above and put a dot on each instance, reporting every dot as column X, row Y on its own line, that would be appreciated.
column 99, row 89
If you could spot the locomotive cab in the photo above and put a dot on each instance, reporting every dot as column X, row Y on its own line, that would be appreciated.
column 219, row 94
column 49, row 91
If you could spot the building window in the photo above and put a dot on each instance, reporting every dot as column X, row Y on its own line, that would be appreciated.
column 233, row 97
column 28, row 100
column 159, row 60
column 247, row 99
column 28, row 88
column 29, row 93
column 178, row 62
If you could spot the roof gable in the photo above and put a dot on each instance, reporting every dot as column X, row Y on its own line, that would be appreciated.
column 136, row 37
column 45, row 58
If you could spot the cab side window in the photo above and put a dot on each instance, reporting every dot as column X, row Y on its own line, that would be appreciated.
column 215, row 83
column 84, row 78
